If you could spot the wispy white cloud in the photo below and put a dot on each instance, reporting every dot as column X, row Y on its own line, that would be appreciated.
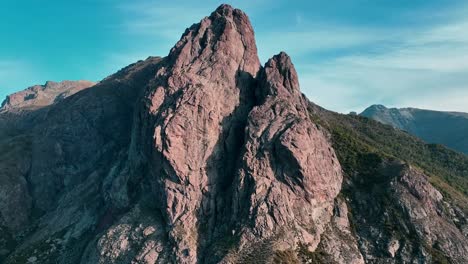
column 320, row 38
column 424, row 68
column 164, row 21
column 169, row 20
column 154, row 29
column 454, row 100
column 15, row 71
column 10, row 69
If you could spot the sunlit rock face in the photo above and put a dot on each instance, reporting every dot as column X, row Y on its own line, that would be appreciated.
column 43, row 95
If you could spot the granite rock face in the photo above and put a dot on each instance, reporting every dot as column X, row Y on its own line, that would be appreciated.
column 203, row 156
column 207, row 138
column 400, row 217
column 285, row 191
column 196, row 106
column 202, row 131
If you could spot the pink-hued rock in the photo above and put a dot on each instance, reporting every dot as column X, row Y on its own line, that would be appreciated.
column 197, row 103
column 430, row 216
column 198, row 106
column 289, row 175
column 338, row 241
column 202, row 135
column 43, row 95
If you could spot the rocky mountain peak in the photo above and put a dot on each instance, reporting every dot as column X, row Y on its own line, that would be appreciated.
column 213, row 112
column 225, row 38
column 280, row 79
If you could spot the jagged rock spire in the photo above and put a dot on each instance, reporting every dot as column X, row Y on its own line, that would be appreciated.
column 280, row 77
column 201, row 102
column 225, row 37
column 289, row 174
column 193, row 125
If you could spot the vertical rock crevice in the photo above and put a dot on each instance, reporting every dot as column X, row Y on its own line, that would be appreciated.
column 197, row 108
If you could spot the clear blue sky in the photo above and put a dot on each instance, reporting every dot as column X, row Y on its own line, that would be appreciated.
column 349, row 54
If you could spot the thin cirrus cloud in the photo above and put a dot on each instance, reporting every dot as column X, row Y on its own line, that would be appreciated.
column 165, row 21
column 456, row 99
column 342, row 66
column 11, row 71
column 153, row 29
column 169, row 20
column 315, row 39
column 424, row 68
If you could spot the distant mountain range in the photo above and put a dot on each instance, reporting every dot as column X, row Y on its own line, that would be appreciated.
column 447, row 128
column 43, row 95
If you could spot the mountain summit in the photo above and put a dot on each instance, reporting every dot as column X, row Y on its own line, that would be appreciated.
column 206, row 156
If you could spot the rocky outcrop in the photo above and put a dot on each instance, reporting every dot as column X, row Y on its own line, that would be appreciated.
column 43, row 95
column 196, row 107
column 285, row 191
column 401, row 218
column 193, row 158
column 339, row 242
column 200, row 137
column 55, row 162
column 203, row 156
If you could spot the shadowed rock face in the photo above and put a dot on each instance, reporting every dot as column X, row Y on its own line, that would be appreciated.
column 54, row 162
column 400, row 217
column 203, row 156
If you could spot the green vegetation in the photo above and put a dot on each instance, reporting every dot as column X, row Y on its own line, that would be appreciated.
column 7, row 242
column 438, row 257
column 316, row 257
column 285, row 257
column 363, row 146
column 362, row 143
column 44, row 251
